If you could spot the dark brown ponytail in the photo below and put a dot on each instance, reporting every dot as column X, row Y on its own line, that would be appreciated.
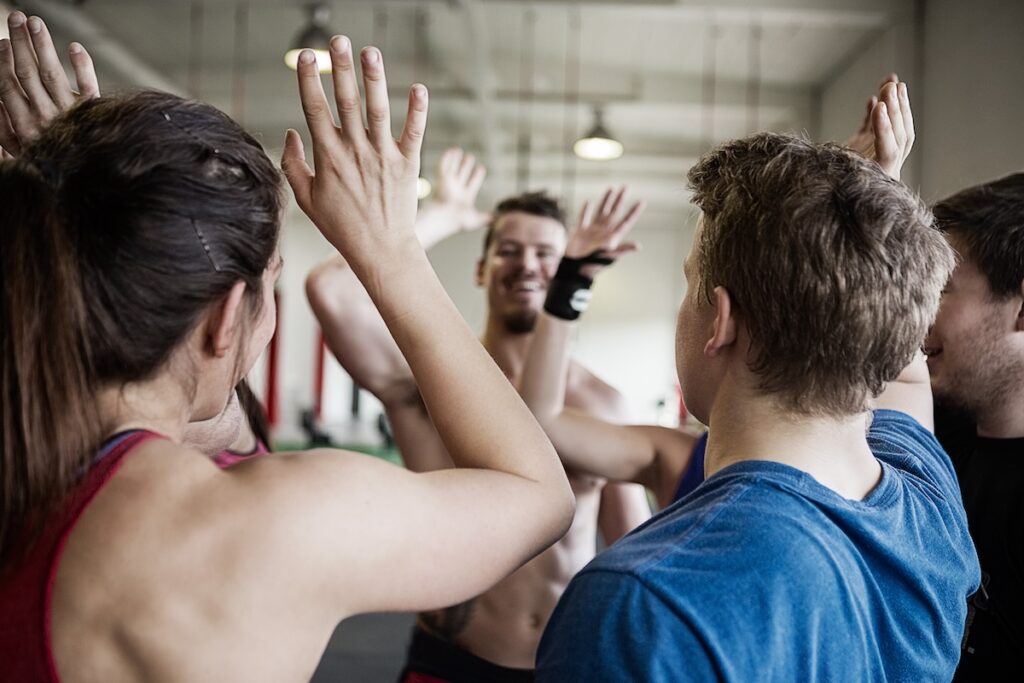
column 255, row 414
column 48, row 423
column 119, row 226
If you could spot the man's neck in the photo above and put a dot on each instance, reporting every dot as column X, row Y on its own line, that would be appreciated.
column 745, row 425
column 1003, row 421
column 506, row 348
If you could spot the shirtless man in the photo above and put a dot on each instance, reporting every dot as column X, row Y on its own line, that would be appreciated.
column 494, row 636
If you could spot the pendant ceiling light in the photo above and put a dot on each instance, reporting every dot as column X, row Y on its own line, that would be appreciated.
column 598, row 144
column 316, row 37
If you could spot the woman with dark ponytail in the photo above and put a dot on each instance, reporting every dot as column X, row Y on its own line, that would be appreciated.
column 138, row 255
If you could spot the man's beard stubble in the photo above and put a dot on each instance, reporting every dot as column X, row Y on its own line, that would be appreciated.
column 520, row 322
column 978, row 390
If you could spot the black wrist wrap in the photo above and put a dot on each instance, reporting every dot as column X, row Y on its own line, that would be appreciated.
column 569, row 290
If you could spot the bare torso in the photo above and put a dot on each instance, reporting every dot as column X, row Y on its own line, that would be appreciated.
column 504, row 625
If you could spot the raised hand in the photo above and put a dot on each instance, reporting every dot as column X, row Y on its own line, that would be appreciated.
column 361, row 189
column 887, row 132
column 862, row 140
column 458, row 181
column 33, row 85
column 603, row 228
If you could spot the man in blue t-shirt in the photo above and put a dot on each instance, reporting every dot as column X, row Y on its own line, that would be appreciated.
column 828, row 541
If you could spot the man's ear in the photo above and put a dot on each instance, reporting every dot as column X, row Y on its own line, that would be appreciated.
column 723, row 328
column 224, row 321
column 1019, row 326
column 478, row 276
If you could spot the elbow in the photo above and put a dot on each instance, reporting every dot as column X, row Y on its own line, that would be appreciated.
column 563, row 509
column 317, row 286
column 326, row 287
column 548, row 417
column 568, row 512
column 314, row 288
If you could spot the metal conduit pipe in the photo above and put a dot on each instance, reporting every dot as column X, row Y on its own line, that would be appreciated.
column 104, row 47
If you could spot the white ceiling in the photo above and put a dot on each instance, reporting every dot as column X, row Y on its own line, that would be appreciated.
column 673, row 77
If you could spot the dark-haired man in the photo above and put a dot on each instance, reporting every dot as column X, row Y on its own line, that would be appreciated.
column 827, row 543
column 495, row 636
column 976, row 359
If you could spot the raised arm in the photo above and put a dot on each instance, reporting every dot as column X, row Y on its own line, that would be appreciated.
column 911, row 393
column 887, row 132
column 887, row 136
column 648, row 455
column 352, row 326
column 373, row 536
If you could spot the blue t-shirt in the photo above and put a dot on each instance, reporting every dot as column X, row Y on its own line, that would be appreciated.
column 763, row 574
column 693, row 475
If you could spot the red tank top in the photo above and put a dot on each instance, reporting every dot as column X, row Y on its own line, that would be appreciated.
column 26, row 591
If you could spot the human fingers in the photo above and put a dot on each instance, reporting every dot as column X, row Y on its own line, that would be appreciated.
column 346, row 92
column 296, row 170
column 449, row 161
column 887, row 151
column 466, row 168
column 476, row 180
column 378, row 107
column 602, row 208
column 617, row 199
column 892, row 107
column 908, row 116
column 51, row 71
column 411, row 141
column 26, row 68
column 314, row 101
column 586, row 215
column 19, row 111
column 85, row 72
column 8, row 138
column 629, row 220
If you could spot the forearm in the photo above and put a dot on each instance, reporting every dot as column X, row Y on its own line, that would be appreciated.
column 592, row 445
column 546, row 368
column 435, row 223
column 459, row 382
column 911, row 393
column 624, row 507
column 353, row 329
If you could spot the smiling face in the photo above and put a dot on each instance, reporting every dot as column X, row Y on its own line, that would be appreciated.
column 520, row 261
column 975, row 348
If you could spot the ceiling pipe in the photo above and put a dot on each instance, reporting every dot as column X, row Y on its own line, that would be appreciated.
column 104, row 47
column 483, row 85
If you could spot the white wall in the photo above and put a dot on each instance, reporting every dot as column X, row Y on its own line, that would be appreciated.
column 968, row 98
column 845, row 94
column 626, row 337
column 974, row 94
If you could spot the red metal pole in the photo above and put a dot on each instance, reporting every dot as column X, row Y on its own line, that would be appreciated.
column 318, row 375
column 272, row 350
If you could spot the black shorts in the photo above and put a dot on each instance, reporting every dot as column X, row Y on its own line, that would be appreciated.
column 434, row 659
